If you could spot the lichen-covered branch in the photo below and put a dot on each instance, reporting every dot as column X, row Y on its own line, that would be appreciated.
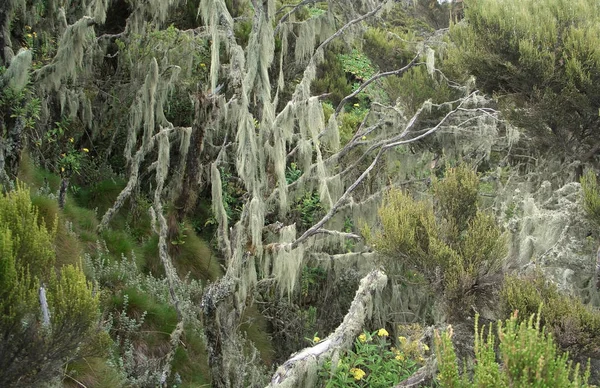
column 302, row 368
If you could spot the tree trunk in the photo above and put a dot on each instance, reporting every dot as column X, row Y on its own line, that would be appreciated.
column 5, row 10
column 62, row 194
column 186, row 200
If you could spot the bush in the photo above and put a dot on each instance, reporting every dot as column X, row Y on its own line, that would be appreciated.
column 33, row 348
column 575, row 326
column 541, row 60
column 456, row 247
column 528, row 358
column 591, row 196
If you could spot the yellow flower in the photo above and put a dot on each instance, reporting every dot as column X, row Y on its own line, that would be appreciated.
column 71, row 139
column 383, row 333
column 357, row 373
column 34, row 34
column 402, row 340
column 420, row 359
column 362, row 338
column 357, row 105
column 85, row 150
column 202, row 65
column 28, row 28
column 316, row 339
column 425, row 347
column 62, row 169
column 364, row 138
column 29, row 35
column 400, row 357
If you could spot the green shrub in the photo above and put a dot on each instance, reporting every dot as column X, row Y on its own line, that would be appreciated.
column 575, row 326
column 540, row 58
column 450, row 242
column 591, row 196
column 528, row 357
column 33, row 349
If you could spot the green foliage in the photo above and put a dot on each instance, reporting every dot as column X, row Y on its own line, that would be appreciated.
column 308, row 208
column 58, row 148
column 456, row 196
column 357, row 64
column 350, row 120
column 292, row 173
column 591, row 196
column 451, row 243
column 542, row 56
column 575, row 326
column 32, row 352
column 387, row 50
column 32, row 241
column 528, row 358
column 372, row 363
column 331, row 79
column 417, row 86
column 311, row 277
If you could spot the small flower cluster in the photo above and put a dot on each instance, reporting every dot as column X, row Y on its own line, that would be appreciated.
column 357, row 373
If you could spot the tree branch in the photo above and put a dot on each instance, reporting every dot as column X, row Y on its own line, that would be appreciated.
column 390, row 143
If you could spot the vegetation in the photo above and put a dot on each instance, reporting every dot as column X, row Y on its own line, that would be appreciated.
column 189, row 190
column 39, row 332
column 372, row 363
column 541, row 62
column 574, row 326
column 528, row 357
column 456, row 247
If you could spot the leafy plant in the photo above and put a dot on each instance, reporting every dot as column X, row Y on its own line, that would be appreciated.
column 528, row 358
column 308, row 207
column 358, row 64
column 292, row 173
column 372, row 363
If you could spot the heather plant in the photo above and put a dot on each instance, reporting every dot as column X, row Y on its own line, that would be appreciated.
column 38, row 333
column 450, row 242
column 591, row 196
column 575, row 326
column 528, row 357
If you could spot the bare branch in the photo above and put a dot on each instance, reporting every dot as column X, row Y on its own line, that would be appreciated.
column 340, row 234
column 390, row 143
column 296, row 7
